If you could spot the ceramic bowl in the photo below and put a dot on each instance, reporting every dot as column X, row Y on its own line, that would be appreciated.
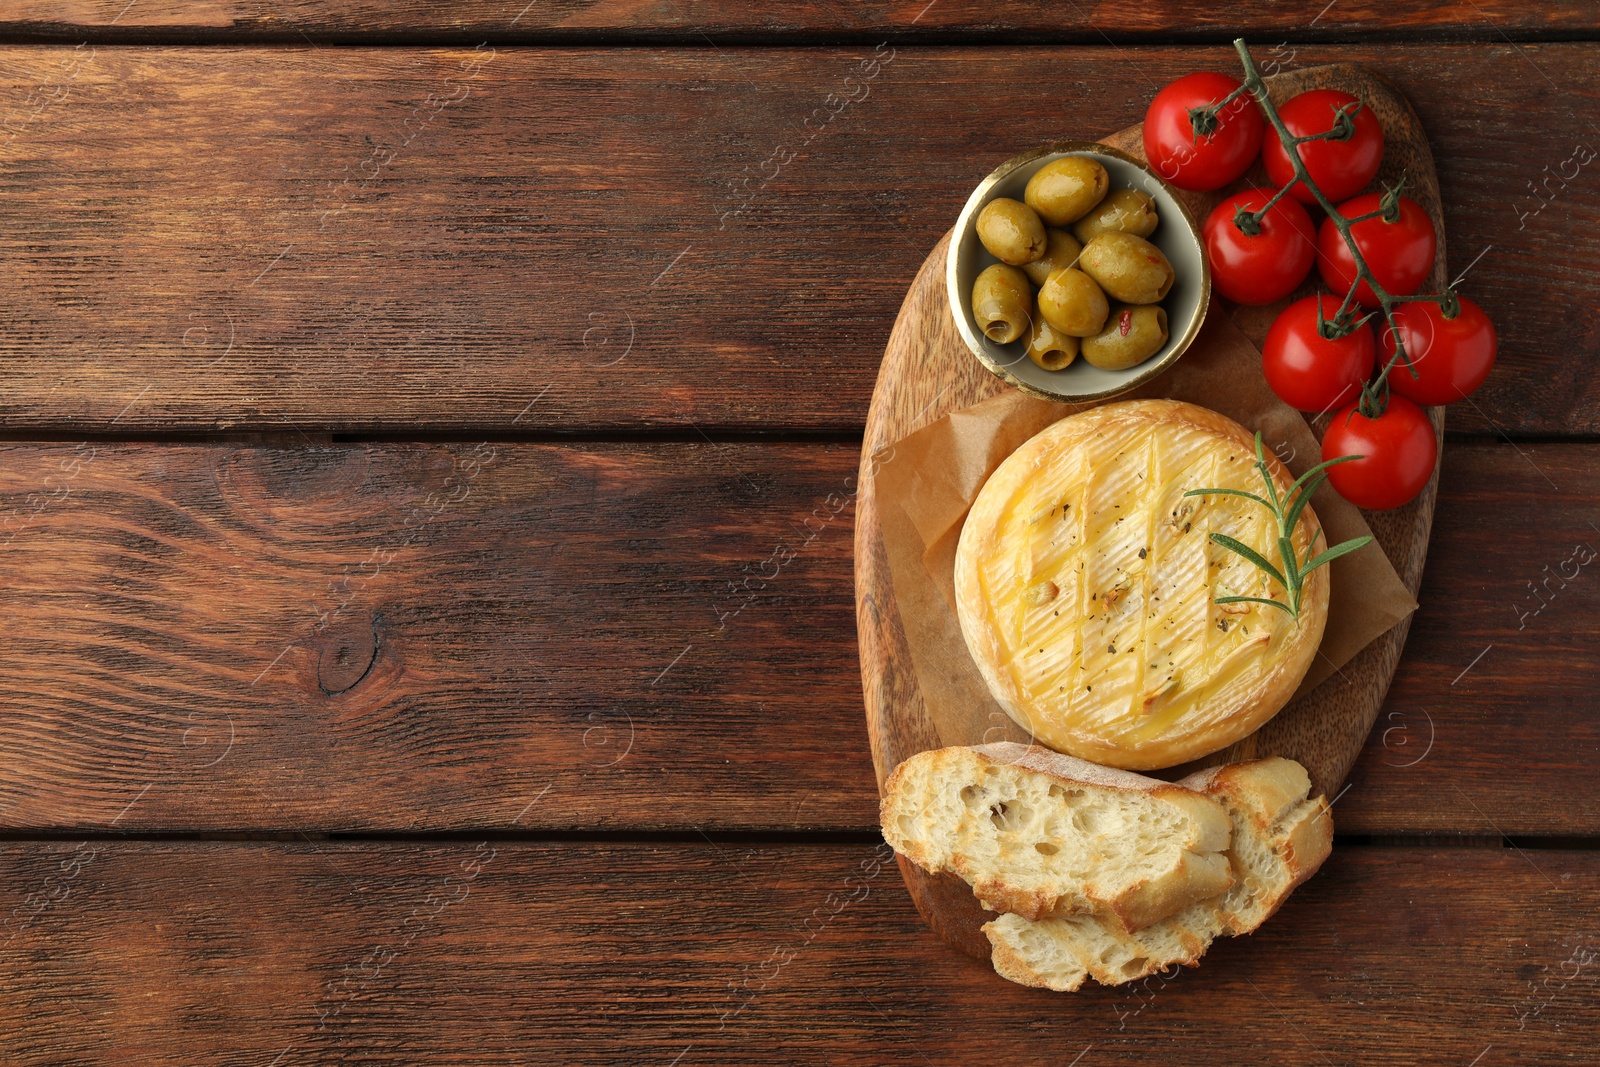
column 1177, row 235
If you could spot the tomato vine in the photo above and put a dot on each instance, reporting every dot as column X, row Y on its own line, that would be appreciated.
column 1375, row 393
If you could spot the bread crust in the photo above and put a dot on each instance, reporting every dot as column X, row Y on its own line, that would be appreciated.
column 1197, row 875
column 1274, row 791
column 1011, row 965
column 1267, row 801
column 1198, row 731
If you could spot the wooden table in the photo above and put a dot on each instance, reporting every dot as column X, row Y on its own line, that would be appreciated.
column 430, row 437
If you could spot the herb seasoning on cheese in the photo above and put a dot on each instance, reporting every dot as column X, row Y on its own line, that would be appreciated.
column 1086, row 585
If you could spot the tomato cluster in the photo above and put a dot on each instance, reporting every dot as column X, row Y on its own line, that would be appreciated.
column 1202, row 133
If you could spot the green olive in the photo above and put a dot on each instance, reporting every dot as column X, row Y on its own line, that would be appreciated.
column 1002, row 303
column 1065, row 190
column 1061, row 250
column 1011, row 231
column 1129, row 268
column 1048, row 346
column 1070, row 301
column 1127, row 210
column 1133, row 334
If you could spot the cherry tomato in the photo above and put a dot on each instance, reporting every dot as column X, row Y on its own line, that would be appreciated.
column 1452, row 357
column 1309, row 371
column 1399, row 254
column 1267, row 266
column 1201, row 163
column 1341, row 169
column 1399, row 451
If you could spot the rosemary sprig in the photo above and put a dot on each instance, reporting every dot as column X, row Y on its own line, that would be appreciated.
column 1286, row 509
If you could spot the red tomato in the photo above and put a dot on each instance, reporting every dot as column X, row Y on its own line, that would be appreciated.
column 1267, row 266
column 1341, row 169
column 1307, row 370
column 1452, row 357
column 1201, row 163
column 1399, row 254
column 1399, row 451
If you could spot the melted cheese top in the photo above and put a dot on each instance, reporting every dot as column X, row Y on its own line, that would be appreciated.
column 1086, row 583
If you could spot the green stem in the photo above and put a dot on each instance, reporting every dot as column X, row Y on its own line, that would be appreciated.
column 1346, row 306
column 1253, row 226
column 1337, row 132
column 1378, row 214
column 1203, row 120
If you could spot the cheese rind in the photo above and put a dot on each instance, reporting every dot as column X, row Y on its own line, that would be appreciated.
column 1086, row 584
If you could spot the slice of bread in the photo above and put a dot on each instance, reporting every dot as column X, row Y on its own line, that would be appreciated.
column 1036, row 833
column 1281, row 834
column 1059, row 953
column 1280, row 838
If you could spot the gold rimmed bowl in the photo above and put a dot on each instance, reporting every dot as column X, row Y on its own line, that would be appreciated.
column 1177, row 235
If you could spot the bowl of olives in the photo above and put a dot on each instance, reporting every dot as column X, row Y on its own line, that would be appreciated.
column 1076, row 273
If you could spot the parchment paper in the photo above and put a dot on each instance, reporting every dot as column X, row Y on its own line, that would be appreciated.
column 927, row 481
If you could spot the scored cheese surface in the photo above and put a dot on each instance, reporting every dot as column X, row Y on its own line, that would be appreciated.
column 1086, row 581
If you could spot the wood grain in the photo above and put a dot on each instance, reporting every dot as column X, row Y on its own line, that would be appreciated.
column 403, row 638
column 928, row 371
column 587, row 20
column 502, row 953
column 377, row 240
column 1504, row 639
column 521, row 627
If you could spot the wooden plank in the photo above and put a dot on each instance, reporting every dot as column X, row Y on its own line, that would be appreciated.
column 235, row 953
column 1497, row 687
column 393, row 239
column 690, row 19
column 397, row 637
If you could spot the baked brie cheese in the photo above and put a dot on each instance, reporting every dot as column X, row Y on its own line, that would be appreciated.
column 1086, row 584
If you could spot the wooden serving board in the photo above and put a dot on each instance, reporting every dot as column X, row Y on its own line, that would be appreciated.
column 928, row 371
